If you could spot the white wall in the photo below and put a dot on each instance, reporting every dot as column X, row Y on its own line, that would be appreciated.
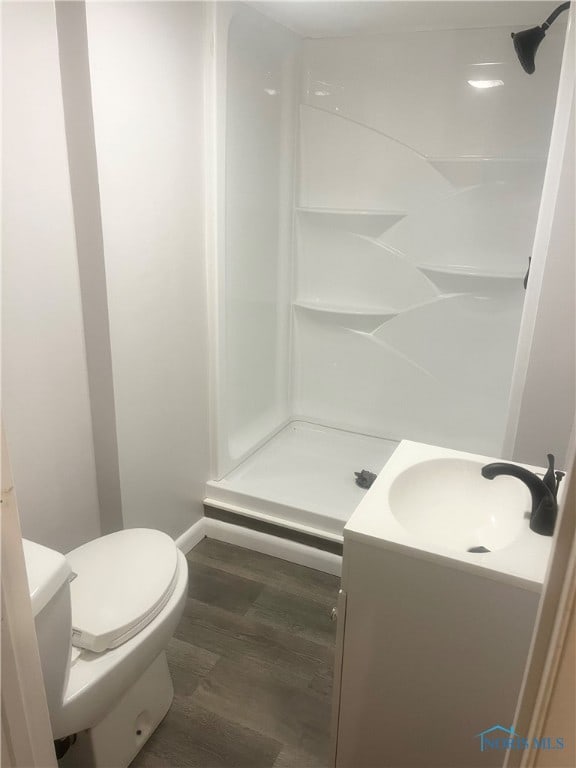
column 147, row 69
column 77, row 99
column 45, row 386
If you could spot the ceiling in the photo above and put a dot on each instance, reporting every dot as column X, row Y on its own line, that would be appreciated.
column 343, row 18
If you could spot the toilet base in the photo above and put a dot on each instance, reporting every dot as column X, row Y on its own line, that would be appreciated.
column 116, row 740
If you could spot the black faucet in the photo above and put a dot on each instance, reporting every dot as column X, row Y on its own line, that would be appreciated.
column 543, row 492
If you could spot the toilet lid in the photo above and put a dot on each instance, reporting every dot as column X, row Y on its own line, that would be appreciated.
column 122, row 582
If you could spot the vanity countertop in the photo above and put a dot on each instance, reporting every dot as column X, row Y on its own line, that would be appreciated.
column 523, row 561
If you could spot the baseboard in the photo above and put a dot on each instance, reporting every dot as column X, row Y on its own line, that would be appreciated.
column 293, row 551
column 285, row 549
column 194, row 535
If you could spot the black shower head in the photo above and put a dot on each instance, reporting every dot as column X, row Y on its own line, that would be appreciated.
column 526, row 42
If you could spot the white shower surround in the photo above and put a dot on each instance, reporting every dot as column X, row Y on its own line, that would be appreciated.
column 414, row 198
column 255, row 133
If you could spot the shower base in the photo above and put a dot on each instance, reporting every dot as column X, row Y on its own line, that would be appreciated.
column 302, row 478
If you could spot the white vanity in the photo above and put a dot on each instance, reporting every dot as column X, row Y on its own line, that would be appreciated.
column 433, row 639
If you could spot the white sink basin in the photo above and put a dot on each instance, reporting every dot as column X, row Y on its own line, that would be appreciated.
column 448, row 502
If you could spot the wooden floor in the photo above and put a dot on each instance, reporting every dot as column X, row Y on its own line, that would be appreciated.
column 251, row 663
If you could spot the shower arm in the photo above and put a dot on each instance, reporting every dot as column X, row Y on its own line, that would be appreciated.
column 554, row 15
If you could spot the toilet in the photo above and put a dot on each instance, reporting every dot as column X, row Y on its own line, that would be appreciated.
column 104, row 615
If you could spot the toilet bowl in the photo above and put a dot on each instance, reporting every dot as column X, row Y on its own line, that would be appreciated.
column 104, row 614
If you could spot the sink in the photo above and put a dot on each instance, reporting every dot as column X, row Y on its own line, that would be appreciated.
column 432, row 503
column 447, row 501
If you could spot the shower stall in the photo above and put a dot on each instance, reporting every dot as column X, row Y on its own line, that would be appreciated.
column 377, row 188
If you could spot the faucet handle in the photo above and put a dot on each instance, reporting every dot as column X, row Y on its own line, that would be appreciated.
column 549, row 478
column 559, row 476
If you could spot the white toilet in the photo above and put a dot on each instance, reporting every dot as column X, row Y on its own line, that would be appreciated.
column 104, row 614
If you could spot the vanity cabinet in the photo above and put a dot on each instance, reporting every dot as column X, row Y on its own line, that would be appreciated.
column 429, row 655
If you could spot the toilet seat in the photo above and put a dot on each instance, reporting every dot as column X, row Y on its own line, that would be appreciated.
column 123, row 581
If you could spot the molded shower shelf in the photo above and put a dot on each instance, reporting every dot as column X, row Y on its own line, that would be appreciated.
column 458, row 271
column 364, row 222
column 352, row 212
column 347, row 311
column 471, row 171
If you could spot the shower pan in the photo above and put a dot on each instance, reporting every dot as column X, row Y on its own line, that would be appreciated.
column 375, row 203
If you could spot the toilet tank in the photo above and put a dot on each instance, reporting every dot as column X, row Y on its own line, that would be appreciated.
column 49, row 577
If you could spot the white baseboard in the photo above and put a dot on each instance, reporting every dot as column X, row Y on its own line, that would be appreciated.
column 285, row 549
column 194, row 535
column 275, row 546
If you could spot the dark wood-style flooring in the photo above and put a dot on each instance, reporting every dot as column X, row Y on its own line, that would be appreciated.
column 251, row 663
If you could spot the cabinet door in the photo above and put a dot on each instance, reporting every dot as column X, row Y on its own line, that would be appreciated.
column 340, row 617
column 431, row 657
